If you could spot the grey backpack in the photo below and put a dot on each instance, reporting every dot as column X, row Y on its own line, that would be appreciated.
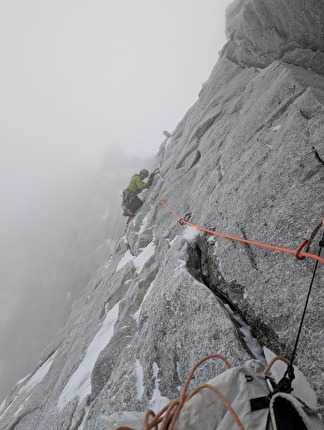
column 238, row 398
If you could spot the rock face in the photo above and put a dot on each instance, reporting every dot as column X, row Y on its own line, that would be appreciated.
column 246, row 160
column 261, row 32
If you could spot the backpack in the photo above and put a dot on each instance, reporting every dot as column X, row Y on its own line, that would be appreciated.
column 238, row 398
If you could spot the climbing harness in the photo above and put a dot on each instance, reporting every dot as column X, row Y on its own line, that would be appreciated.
column 131, row 202
column 298, row 254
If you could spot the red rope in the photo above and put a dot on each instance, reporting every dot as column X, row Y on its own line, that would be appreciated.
column 297, row 253
column 168, row 416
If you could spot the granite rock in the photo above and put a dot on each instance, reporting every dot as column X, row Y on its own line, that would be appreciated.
column 246, row 160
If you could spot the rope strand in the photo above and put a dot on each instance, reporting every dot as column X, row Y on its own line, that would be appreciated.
column 306, row 303
column 170, row 413
column 297, row 253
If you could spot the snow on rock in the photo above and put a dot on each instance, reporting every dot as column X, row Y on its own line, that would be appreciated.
column 21, row 407
column 79, row 385
column 139, row 379
column 139, row 260
column 144, row 224
column 144, row 256
column 137, row 314
column 190, row 233
column 158, row 401
column 126, row 258
column 38, row 376
column 231, row 166
column 18, row 403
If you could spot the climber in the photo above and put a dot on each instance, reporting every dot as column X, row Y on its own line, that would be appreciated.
column 131, row 203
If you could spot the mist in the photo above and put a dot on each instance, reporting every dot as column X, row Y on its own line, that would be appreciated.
column 87, row 89
column 50, row 252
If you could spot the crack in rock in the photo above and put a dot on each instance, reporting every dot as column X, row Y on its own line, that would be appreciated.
column 245, row 334
column 231, row 296
column 318, row 156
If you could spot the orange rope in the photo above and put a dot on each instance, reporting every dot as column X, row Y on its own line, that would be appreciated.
column 224, row 400
column 170, row 413
column 297, row 253
column 272, row 362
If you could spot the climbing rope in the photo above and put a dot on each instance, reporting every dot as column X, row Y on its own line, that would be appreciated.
column 297, row 253
column 168, row 416
column 112, row 241
column 286, row 382
column 272, row 362
column 321, row 245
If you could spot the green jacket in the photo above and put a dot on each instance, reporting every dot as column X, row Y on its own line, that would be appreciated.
column 137, row 185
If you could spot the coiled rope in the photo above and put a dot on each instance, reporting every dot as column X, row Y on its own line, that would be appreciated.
column 168, row 416
column 297, row 253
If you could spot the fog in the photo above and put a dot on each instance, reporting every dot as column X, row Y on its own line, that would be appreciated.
column 86, row 90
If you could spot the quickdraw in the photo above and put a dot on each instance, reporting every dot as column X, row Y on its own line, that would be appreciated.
column 305, row 245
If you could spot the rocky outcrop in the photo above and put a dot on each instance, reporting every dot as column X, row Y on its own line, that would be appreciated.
column 262, row 31
column 246, row 160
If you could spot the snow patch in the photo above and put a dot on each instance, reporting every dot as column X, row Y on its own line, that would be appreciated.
column 127, row 257
column 79, row 385
column 144, row 224
column 23, row 379
column 21, row 407
column 139, row 379
column 171, row 242
column 140, row 260
column 33, row 381
column 144, row 256
column 190, row 233
column 38, row 376
column 157, row 401
column 137, row 314
column 246, row 331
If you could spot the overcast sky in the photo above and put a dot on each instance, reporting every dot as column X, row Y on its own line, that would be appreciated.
column 79, row 75
column 76, row 78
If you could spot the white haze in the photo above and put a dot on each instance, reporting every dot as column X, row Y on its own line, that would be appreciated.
column 86, row 89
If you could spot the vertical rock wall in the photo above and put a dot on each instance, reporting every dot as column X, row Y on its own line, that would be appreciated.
column 247, row 160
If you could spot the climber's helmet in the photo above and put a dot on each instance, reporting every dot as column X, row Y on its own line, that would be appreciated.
column 144, row 173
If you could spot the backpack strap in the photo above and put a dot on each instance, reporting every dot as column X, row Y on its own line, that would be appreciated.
column 289, row 413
